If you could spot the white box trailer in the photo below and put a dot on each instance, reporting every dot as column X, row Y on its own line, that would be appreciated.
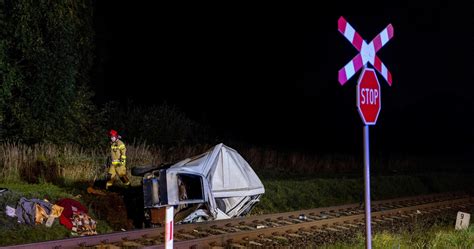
column 217, row 184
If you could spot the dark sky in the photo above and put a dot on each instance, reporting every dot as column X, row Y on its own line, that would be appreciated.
column 270, row 76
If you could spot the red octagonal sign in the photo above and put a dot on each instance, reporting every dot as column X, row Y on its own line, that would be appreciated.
column 368, row 96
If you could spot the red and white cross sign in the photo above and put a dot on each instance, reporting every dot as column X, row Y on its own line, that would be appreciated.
column 367, row 51
column 368, row 96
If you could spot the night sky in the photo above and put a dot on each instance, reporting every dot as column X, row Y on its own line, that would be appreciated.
column 269, row 77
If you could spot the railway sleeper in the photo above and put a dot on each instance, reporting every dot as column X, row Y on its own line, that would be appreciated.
column 285, row 222
column 280, row 238
column 202, row 234
column 297, row 220
column 254, row 243
column 150, row 242
column 294, row 235
column 233, row 229
column 265, row 240
column 185, row 236
column 332, row 229
column 351, row 225
column 314, row 217
column 273, row 224
column 245, row 227
column 108, row 246
column 131, row 244
column 343, row 228
column 306, row 233
column 236, row 245
column 397, row 218
column 217, row 231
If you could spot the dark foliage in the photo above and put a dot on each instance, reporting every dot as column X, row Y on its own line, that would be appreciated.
column 46, row 52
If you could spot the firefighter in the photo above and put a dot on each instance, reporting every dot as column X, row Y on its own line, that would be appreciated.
column 118, row 161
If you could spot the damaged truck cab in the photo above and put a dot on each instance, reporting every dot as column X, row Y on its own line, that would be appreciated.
column 218, row 184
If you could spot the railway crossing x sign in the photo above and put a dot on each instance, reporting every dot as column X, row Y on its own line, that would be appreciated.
column 368, row 94
column 367, row 51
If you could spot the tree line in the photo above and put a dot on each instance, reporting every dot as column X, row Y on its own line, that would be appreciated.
column 46, row 57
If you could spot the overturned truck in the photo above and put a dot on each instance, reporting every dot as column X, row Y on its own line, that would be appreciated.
column 218, row 184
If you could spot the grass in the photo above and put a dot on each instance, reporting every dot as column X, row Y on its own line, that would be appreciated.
column 297, row 193
column 436, row 237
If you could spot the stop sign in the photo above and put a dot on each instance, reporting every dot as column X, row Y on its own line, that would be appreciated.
column 368, row 96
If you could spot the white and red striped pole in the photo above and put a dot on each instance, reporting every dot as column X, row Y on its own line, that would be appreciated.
column 169, row 227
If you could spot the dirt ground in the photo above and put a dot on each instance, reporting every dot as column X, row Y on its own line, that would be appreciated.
column 121, row 207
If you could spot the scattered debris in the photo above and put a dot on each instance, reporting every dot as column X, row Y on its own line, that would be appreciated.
column 302, row 217
column 93, row 191
column 10, row 211
column 75, row 218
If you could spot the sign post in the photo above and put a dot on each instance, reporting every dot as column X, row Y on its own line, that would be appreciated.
column 368, row 104
column 368, row 95
column 169, row 227
column 368, row 218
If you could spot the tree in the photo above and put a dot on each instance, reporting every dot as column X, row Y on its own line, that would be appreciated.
column 46, row 53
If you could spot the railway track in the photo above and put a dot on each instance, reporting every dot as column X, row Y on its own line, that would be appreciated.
column 306, row 226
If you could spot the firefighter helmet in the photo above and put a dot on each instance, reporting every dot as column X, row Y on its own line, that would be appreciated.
column 113, row 133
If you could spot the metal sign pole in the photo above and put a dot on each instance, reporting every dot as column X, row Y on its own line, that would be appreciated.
column 169, row 227
column 369, row 114
column 368, row 232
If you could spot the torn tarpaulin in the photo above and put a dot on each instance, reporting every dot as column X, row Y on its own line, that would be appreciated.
column 35, row 211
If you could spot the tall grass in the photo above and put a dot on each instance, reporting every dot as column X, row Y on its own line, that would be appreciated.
column 50, row 163
column 45, row 162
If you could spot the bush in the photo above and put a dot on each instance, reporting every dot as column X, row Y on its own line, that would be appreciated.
column 156, row 125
